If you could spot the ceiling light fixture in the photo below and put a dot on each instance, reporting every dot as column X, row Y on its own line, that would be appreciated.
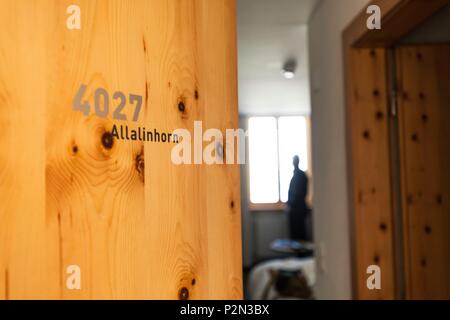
column 289, row 67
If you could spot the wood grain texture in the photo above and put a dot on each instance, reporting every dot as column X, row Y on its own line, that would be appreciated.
column 137, row 225
column 372, row 202
column 398, row 18
column 423, row 78
column 357, row 29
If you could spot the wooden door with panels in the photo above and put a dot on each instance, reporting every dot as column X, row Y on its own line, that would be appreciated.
column 371, row 171
column 77, row 193
column 396, row 109
column 410, row 242
column 423, row 84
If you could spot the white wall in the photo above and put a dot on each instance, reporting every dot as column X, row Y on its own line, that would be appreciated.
column 331, row 216
column 262, row 88
column 269, row 33
column 268, row 226
column 247, row 218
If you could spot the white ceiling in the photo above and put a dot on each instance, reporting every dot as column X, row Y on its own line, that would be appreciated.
column 269, row 33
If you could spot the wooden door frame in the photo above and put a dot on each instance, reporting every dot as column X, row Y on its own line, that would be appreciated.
column 399, row 17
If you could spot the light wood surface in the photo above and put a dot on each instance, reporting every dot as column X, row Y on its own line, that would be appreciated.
column 424, row 100
column 398, row 18
column 371, row 172
column 136, row 224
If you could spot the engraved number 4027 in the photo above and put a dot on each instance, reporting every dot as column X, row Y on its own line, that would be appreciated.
column 101, row 103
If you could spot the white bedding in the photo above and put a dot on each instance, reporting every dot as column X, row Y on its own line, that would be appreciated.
column 259, row 275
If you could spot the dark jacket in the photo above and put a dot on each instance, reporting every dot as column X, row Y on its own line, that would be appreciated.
column 298, row 190
column 298, row 209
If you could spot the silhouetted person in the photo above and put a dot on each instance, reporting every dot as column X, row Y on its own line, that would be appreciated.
column 298, row 209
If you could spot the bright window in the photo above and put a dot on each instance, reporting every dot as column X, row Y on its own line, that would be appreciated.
column 263, row 160
column 273, row 142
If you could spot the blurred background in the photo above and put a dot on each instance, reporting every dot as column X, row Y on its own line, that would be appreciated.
column 311, row 230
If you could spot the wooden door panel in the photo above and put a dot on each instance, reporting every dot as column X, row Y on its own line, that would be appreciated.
column 371, row 171
column 424, row 111
column 136, row 224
